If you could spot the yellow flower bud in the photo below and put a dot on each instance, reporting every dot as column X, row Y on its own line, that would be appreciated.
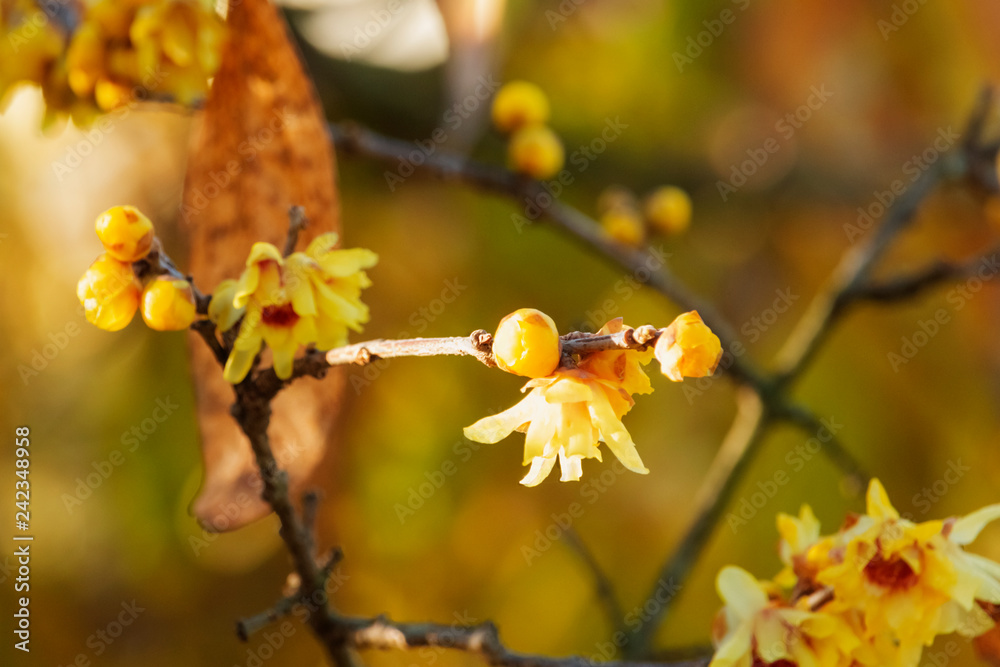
column 536, row 151
column 668, row 210
column 109, row 293
column 126, row 233
column 518, row 104
column 688, row 348
column 168, row 304
column 527, row 343
column 625, row 226
column 221, row 309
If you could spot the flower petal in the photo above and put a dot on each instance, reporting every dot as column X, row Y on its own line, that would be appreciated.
column 497, row 427
column 967, row 528
column 540, row 469
column 571, row 467
column 879, row 506
column 613, row 432
column 741, row 591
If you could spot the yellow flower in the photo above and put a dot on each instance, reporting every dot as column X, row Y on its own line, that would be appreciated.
column 688, row 348
column 803, row 551
column 911, row 582
column 517, row 104
column 564, row 416
column 109, row 293
column 527, row 343
column 307, row 298
column 168, row 304
column 624, row 225
column 536, row 151
column 754, row 630
column 126, row 233
column 620, row 369
column 668, row 210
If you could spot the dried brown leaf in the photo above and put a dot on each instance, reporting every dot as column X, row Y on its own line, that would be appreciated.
column 262, row 147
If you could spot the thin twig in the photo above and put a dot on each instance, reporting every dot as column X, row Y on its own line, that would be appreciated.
column 351, row 138
column 483, row 639
column 296, row 223
column 602, row 583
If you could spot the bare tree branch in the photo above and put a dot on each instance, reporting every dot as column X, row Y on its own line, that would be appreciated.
column 602, row 583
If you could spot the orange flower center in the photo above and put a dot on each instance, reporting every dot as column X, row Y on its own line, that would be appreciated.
column 279, row 316
column 894, row 573
column 757, row 662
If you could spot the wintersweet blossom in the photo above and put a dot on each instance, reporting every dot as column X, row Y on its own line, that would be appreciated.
column 309, row 298
column 756, row 628
column 564, row 416
column 688, row 348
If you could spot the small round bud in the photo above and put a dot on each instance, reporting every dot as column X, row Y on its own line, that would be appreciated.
column 109, row 293
column 688, row 348
column 518, row 104
column 168, row 304
column 527, row 343
column 126, row 233
column 625, row 226
column 536, row 152
column 668, row 210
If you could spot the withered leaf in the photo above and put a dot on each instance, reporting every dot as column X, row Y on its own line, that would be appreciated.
column 261, row 147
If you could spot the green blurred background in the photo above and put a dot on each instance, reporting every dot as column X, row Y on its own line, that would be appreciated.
column 461, row 555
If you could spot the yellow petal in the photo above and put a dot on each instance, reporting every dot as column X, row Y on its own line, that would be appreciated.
column 613, row 433
column 570, row 466
column 879, row 506
column 741, row 591
column 540, row 469
column 568, row 390
column 967, row 528
column 497, row 427
column 238, row 365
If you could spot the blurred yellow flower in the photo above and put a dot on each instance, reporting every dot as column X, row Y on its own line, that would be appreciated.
column 564, row 416
column 754, row 630
column 911, row 582
column 109, row 293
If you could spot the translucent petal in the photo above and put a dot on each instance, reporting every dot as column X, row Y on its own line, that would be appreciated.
column 967, row 528
column 571, row 467
column 541, row 432
column 497, row 427
column 322, row 244
column 343, row 263
column 238, row 365
column 540, row 469
column 614, row 434
column 740, row 591
column 568, row 390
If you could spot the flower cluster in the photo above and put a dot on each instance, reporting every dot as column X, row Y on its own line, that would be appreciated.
column 666, row 211
column 116, row 52
column 307, row 298
column 873, row 594
column 111, row 290
column 521, row 109
column 576, row 403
